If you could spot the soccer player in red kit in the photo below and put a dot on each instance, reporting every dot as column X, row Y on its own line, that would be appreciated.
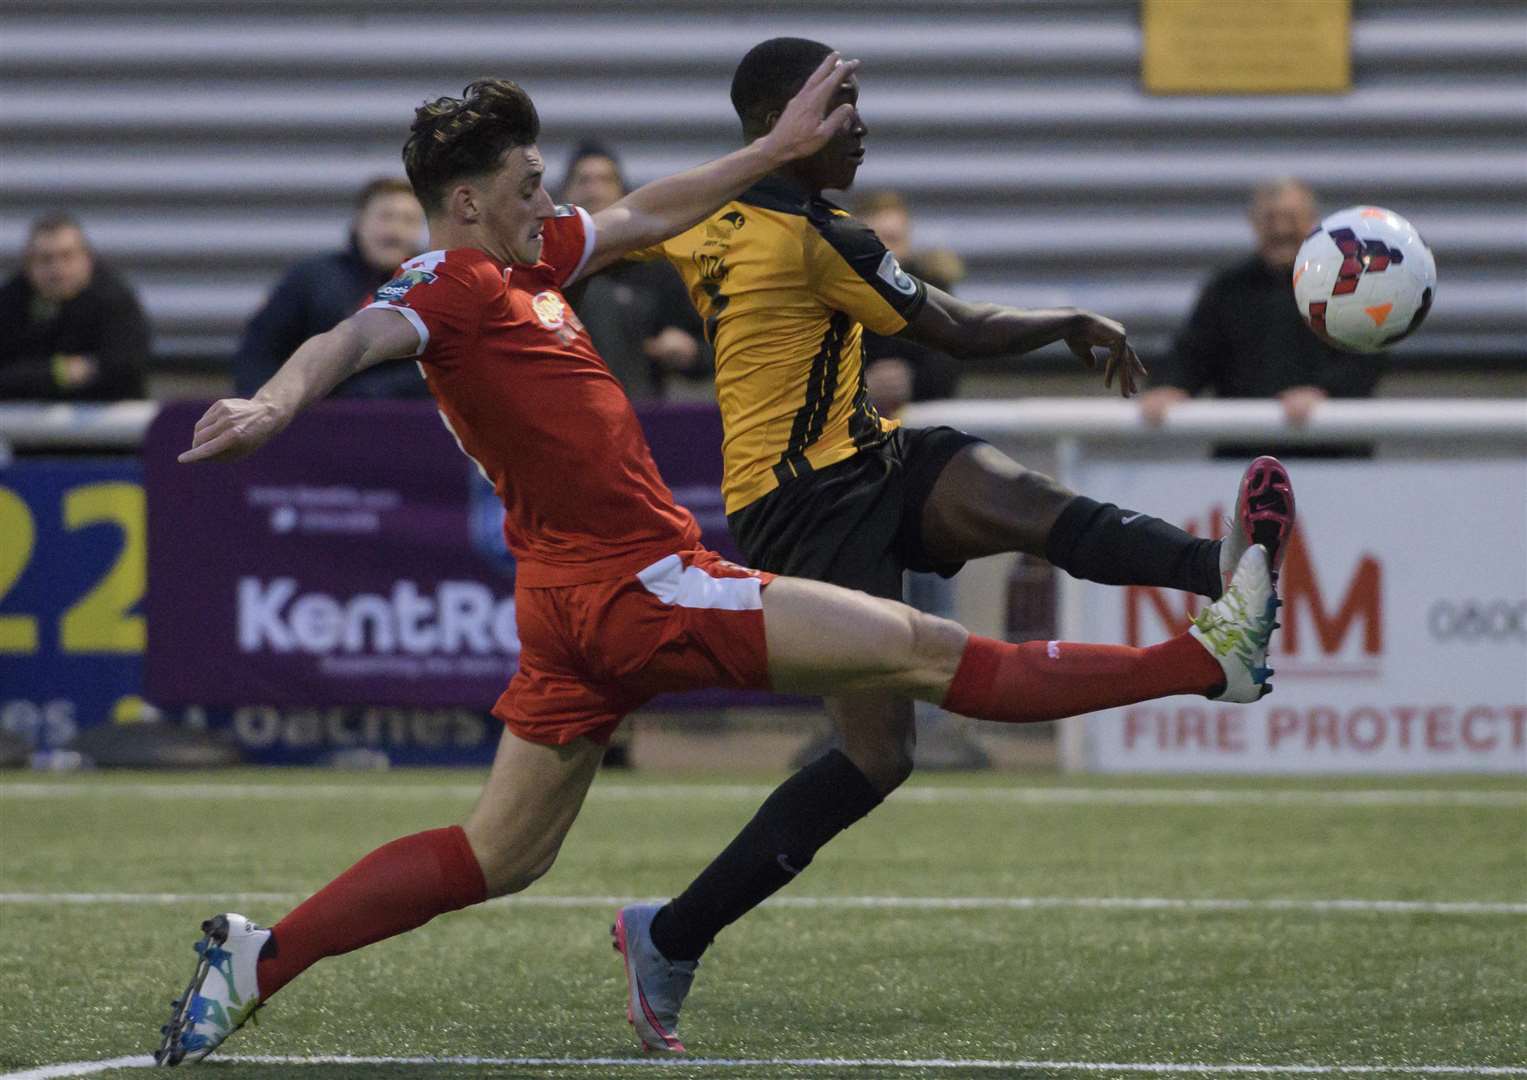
column 615, row 598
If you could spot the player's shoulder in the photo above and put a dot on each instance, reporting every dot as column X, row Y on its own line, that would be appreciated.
column 466, row 266
column 845, row 234
column 779, row 195
column 441, row 274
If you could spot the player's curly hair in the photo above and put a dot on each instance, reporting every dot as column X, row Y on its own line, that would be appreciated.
column 452, row 138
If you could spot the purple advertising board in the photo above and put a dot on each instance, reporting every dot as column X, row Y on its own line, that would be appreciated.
column 354, row 570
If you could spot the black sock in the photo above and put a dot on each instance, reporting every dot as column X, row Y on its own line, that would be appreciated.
column 792, row 825
column 1100, row 542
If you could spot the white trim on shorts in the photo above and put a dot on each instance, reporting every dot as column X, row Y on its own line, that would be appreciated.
column 672, row 582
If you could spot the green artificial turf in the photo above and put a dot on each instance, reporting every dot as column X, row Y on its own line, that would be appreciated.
column 87, row 981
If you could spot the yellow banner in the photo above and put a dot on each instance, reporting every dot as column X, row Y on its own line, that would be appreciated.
column 1246, row 46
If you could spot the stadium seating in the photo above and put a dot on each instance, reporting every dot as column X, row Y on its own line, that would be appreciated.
column 205, row 152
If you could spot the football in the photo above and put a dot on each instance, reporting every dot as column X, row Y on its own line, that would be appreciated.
column 1364, row 279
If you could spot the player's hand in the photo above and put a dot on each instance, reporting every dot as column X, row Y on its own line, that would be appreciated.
column 673, row 349
column 1095, row 331
column 801, row 129
column 73, row 371
column 1299, row 403
column 232, row 428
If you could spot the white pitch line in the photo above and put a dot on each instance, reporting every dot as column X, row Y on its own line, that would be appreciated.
column 910, row 903
column 756, row 792
column 144, row 1061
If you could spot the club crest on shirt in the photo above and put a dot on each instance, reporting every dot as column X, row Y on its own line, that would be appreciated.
column 398, row 287
column 550, row 310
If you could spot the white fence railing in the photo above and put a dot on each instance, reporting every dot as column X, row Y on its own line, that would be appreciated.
column 120, row 426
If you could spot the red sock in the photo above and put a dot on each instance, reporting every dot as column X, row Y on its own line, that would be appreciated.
column 1048, row 680
column 397, row 887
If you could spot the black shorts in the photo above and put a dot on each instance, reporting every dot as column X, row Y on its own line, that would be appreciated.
column 857, row 523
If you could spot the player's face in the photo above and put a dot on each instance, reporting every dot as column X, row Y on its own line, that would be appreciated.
column 515, row 205
column 1282, row 221
column 835, row 165
column 58, row 264
column 389, row 228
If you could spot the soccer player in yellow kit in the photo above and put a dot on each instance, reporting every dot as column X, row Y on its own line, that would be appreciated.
column 818, row 485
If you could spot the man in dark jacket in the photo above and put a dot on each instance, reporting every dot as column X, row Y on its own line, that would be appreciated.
column 70, row 327
column 318, row 293
column 638, row 313
column 1245, row 338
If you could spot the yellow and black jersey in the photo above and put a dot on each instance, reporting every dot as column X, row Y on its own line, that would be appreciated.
column 785, row 283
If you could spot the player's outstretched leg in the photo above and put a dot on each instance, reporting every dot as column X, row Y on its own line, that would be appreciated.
column 822, row 638
column 511, row 838
column 984, row 503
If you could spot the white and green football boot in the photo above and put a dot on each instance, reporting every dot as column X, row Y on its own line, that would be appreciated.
column 222, row 993
column 1237, row 627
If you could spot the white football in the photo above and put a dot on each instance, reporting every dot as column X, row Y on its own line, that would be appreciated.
column 1364, row 279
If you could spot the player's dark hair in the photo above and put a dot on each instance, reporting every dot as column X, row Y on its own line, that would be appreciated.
column 452, row 138
column 770, row 75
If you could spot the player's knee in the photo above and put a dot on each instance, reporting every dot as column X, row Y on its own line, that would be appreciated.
column 1035, row 494
column 508, row 867
column 886, row 762
column 937, row 645
column 514, row 874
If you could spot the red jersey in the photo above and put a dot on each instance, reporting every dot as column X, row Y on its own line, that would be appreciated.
column 521, row 387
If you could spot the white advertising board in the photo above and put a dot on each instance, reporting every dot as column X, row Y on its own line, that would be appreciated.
column 1404, row 639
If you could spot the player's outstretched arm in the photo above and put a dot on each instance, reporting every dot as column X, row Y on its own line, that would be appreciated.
column 666, row 207
column 966, row 329
column 235, row 427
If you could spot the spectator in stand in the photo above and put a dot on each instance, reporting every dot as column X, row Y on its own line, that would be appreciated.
column 897, row 370
column 1245, row 338
column 638, row 313
column 71, row 328
column 318, row 293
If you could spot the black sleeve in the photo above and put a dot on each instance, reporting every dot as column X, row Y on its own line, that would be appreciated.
column 673, row 307
column 1350, row 375
column 27, row 379
column 25, row 373
column 1190, row 364
column 272, row 335
column 853, row 272
column 123, row 354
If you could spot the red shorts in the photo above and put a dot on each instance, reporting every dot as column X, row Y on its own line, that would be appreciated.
column 589, row 654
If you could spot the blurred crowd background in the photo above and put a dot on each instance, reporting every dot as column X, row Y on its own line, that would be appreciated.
column 226, row 176
column 188, row 190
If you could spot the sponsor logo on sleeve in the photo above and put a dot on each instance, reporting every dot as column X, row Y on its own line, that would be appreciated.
column 398, row 287
column 893, row 275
